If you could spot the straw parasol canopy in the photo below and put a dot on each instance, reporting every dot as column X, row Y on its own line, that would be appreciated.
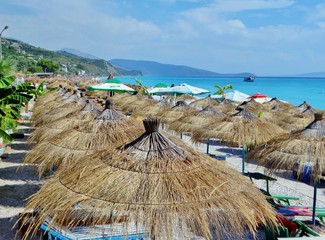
column 179, row 110
column 204, row 102
column 251, row 106
column 72, row 104
column 156, row 182
column 46, row 132
column 156, row 109
column 189, row 123
column 243, row 128
column 302, row 148
column 41, row 107
column 134, row 105
column 110, row 128
column 276, row 104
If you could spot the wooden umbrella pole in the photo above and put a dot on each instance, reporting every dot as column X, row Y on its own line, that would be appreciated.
column 208, row 145
column 243, row 160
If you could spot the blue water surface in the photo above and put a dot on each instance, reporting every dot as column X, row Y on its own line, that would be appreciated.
column 290, row 89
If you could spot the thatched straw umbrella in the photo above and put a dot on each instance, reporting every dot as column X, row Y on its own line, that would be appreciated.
column 179, row 110
column 241, row 129
column 159, row 183
column 289, row 119
column 185, row 97
column 203, row 103
column 70, row 121
column 156, row 109
column 72, row 104
column 135, row 107
column 251, row 106
column 110, row 128
column 190, row 123
column 276, row 104
column 40, row 107
column 302, row 147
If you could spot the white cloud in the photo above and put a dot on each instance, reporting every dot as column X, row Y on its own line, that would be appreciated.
column 214, row 37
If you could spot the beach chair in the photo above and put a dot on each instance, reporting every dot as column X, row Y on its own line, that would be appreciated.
column 304, row 230
column 284, row 200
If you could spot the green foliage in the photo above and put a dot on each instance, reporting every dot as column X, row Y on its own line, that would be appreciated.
column 222, row 90
column 143, row 89
column 260, row 114
column 12, row 98
column 48, row 65
column 26, row 57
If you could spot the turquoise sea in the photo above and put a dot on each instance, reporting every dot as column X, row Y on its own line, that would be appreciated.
column 290, row 89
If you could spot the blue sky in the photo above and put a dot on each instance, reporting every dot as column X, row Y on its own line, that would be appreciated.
column 265, row 37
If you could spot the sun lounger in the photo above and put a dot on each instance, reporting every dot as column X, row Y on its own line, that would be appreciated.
column 99, row 232
column 284, row 200
column 304, row 230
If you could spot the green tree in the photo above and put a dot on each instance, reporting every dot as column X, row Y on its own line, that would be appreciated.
column 48, row 65
column 34, row 68
column 12, row 98
column 222, row 90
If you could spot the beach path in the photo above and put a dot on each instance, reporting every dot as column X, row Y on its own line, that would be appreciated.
column 17, row 182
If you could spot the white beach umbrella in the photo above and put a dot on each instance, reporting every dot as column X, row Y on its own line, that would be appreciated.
column 182, row 89
column 112, row 87
column 235, row 96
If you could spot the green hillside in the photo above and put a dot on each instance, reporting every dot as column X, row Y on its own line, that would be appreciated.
column 28, row 58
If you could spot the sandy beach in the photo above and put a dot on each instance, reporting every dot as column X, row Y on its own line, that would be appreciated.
column 17, row 185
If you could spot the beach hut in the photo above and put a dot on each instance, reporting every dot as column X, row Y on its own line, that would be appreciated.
column 157, row 183
column 242, row 129
column 110, row 128
column 302, row 148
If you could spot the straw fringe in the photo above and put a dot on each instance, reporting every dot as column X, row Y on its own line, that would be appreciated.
column 238, row 132
column 158, row 183
column 84, row 138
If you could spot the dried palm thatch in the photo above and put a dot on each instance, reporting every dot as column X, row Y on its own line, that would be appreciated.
column 70, row 121
column 190, row 123
column 132, row 106
column 156, row 109
column 73, row 104
column 185, row 97
column 118, row 98
column 156, row 182
column 203, row 103
column 110, row 128
column 251, row 106
column 304, row 147
column 179, row 110
column 277, row 105
column 40, row 107
column 288, row 120
column 50, row 96
column 243, row 128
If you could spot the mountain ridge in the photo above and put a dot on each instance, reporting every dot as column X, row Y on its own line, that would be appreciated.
column 152, row 68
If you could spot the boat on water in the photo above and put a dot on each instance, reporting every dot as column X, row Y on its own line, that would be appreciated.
column 249, row 79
